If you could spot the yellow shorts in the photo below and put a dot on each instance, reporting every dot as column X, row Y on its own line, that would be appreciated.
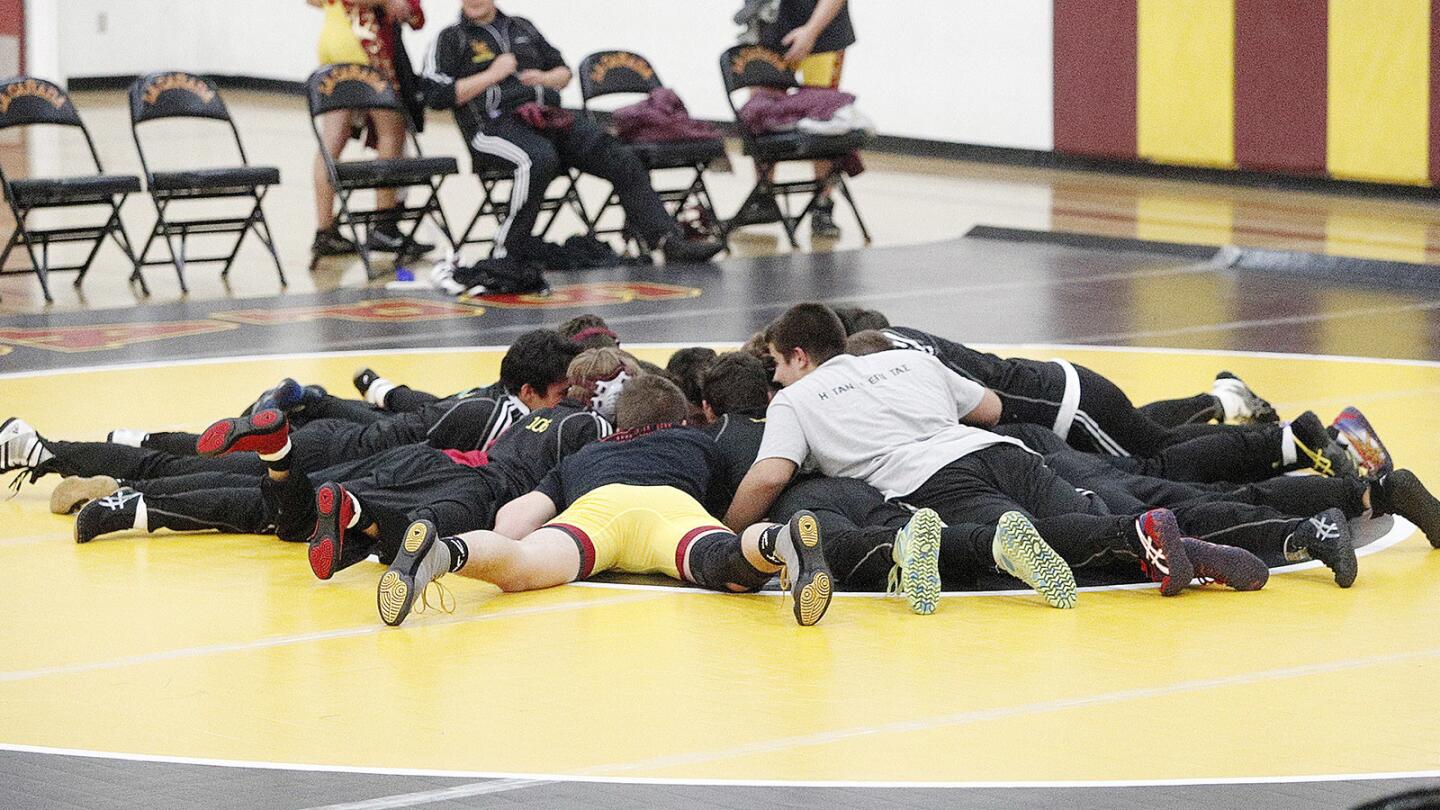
column 822, row 69
column 636, row 530
column 338, row 44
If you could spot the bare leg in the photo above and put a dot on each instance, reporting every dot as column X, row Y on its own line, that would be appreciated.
column 389, row 144
column 334, row 130
column 545, row 558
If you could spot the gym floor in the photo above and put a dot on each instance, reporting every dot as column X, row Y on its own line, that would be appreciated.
column 181, row 670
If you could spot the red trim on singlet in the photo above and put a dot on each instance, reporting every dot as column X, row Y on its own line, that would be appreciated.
column 583, row 542
column 683, row 550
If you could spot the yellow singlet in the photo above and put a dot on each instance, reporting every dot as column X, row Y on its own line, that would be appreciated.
column 338, row 44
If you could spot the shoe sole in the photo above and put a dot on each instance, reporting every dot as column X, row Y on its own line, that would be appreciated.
column 1385, row 464
column 1232, row 567
column 74, row 492
column 239, row 435
column 1027, row 557
column 922, row 568
column 396, row 593
column 332, row 512
column 811, row 586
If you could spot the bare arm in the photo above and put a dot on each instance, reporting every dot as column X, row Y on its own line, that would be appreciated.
column 801, row 41
column 524, row 515
column 762, row 485
column 554, row 78
column 468, row 88
column 986, row 414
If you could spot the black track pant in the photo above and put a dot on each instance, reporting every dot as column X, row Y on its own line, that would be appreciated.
column 138, row 463
column 1173, row 413
column 538, row 157
column 1241, row 454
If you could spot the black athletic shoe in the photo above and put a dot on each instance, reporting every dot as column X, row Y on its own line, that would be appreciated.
column 1402, row 493
column 822, row 222
column 112, row 513
column 678, row 249
column 330, row 243
column 421, row 561
column 1226, row 565
column 363, row 379
column 388, row 239
column 1326, row 537
column 284, row 398
column 805, row 573
column 1315, row 445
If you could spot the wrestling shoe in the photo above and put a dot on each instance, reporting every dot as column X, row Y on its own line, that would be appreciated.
column 112, row 513
column 75, row 491
column 21, row 448
column 284, row 397
column 421, row 561
column 329, row 242
column 389, row 239
column 1401, row 493
column 1164, row 559
column 127, row 436
column 822, row 221
column 334, row 509
column 678, row 249
column 1354, row 431
column 1020, row 552
column 363, row 379
column 1326, row 537
column 1325, row 455
column 1247, row 405
column 916, row 553
column 263, row 432
column 1226, row 565
column 805, row 574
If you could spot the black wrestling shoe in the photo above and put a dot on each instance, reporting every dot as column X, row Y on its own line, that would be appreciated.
column 1326, row 537
column 1401, row 493
column 363, row 379
column 388, row 239
column 329, row 242
column 822, row 222
column 805, row 574
column 1315, row 444
column 1226, row 565
column 421, row 561
column 112, row 513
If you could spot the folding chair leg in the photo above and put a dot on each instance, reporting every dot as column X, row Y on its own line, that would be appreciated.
column 41, row 264
column 361, row 246
column 707, row 206
column 859, row 220
column 262, row 230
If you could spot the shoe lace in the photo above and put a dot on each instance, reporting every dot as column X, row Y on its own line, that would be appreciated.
column 1319, row 461
column 19, row 481
column 894, row 585
column 444, row 600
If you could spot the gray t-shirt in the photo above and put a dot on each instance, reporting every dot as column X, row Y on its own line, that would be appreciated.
column 891, row 419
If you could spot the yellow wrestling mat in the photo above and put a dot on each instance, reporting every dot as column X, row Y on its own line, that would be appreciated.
column 214, row 648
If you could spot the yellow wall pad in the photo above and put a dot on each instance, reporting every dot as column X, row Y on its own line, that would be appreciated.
column 1378, row 121
column 1186, row 84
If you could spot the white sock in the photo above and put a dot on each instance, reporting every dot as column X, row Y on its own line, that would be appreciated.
column 1230, row 403
column 375, row 394
column 128, row 437
column 355, row 516
column 1288, row 453
column 142, row 515
column 278, row 454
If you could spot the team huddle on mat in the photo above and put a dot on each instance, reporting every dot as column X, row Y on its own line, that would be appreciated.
column 834, row 450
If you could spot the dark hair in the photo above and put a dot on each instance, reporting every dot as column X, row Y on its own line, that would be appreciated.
column 736, row 383
column 812, row 327
column 589, row 331
column 867, row 341
column 856, row 319
column 540, row 358
column 650, row 399
column 688, row 366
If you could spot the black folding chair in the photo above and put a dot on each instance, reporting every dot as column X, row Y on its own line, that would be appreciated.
column 174, row 94
column 751, row 66
column 609, row 73
column 496, row 206
column 359, row 88
column 24, row 102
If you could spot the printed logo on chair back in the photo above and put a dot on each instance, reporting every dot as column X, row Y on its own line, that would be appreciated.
column 620, row 72
column 336, row 87
column 754, row 65
column 24, row 100
column 175, row 94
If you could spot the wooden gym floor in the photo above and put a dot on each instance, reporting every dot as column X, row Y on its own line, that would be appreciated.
column 182, row 670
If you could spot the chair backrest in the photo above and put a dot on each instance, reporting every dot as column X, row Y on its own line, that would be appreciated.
column 175, row 94
column 350, row 87
column 25, row 100
column 607, row 72
column 754, row 66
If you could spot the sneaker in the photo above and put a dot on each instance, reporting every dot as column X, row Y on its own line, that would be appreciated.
column 1326, row 537
column 822, row 222
column 334, row 510
column 678, row 249
column 363, row 379
column 263, row 432
column 1020, row 552
column 442, row 276
column 21, row 447
column 127, row 436
column 759, row 209
column 75, row 491
column 1251, row 407
column 1402, row 493
column 421, row 561
column 805, row 574
column 917, row 562
column 284, row 397
column 1226, row 565
column 1164, row 560
column 112, row 513
column 1354, row 431
column 1325, row 455
column 329, row 242
column 388, row 239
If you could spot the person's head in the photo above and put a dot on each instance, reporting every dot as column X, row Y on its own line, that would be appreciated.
column 735, row 383
column 481, row 11
column 650, row 400
column 867, row 341
column 589, row 331
column 803, row 338
column 688, row 365
column 597, row 376
column 534, row 368
column 856, row 319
